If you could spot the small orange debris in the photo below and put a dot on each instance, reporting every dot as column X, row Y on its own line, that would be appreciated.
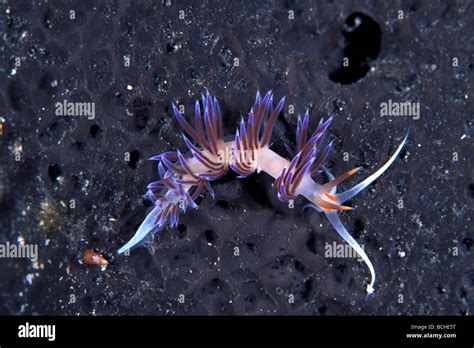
column 94, row 259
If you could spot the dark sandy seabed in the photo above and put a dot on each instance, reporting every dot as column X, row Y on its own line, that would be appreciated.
column 422, row 251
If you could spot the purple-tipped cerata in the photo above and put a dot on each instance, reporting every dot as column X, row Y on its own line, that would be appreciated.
column 183, row 177
column 252, row 137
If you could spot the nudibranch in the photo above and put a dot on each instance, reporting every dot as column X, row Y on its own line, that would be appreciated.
column 184, row 177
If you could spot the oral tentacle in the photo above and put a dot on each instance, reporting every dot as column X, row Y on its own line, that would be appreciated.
column 339, row 227
column 346, row 195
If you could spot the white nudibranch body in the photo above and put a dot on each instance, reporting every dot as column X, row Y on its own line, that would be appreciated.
column 183, row 179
